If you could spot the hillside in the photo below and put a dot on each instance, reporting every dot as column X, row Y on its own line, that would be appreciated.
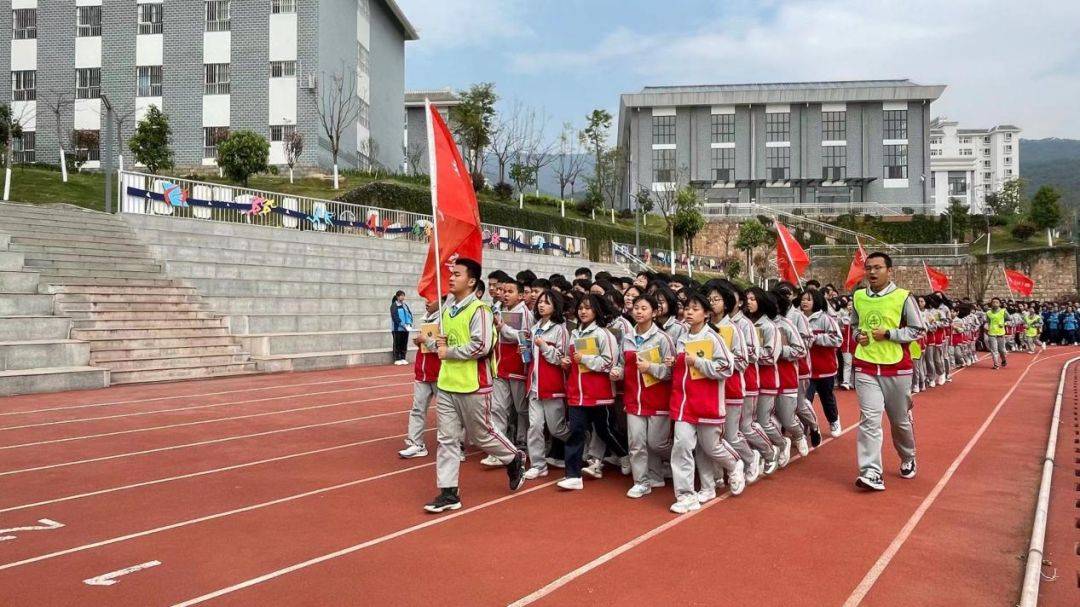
column 1054, row 162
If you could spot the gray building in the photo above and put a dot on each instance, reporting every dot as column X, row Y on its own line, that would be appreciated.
column 818, row 147
column 416, row 141
column 212, row 66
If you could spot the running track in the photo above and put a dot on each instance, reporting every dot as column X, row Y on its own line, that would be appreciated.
column 286, row 489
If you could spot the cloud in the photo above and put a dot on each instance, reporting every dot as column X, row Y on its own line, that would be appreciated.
column 452, row 25
column 1003, row 62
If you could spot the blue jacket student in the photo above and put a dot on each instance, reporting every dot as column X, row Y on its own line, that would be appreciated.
column 401, row 320
column 401, row 316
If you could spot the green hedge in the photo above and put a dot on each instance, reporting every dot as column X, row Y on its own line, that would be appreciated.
column 920, row 230
column 416, row 200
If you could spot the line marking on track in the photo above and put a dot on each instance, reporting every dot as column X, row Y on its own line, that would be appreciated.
column 159, row 398
column 886, row 557
column 194, row 423
column 159, row 481
column 108, row 579
column 43, row 525
column 193, row 407
column 212, row 441
column 219, row 515
column 355, row 548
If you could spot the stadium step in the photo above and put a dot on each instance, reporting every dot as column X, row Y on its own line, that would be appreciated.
column 52, row 379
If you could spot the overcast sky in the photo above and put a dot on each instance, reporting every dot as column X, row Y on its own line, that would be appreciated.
column 1015, row 62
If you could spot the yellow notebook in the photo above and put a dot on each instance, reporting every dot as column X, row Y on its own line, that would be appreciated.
column 702, row 349
column 429, row 331
column 653, row 356
column 587, row 346
column 727, row 333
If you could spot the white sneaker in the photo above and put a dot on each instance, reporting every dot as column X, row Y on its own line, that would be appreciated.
column 685, row 504
column 834, row 428
column 774, row 462
column 785, row 453
column 755, row 468
column 491, row 462
column 914, row 389
column 624, row 465
column 638, row 491
column 555, row 463
column 533, row 473
column 657, row 484
column 737, row 479
column 802, row 446
column 571, row 484
column 595, row 468
column 412, row 451
column 941, row 380
column 706, row 495
column 401, row 362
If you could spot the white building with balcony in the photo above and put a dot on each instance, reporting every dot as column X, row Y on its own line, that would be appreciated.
column 968, row 164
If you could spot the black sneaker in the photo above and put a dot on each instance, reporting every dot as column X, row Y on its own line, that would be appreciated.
column 446, row 500
column 815, row 437
column 870, row 480
column 515, row 470
column 907, row 469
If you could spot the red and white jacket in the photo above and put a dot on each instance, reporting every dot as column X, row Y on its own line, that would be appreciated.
column 427, row 364
column 592, row 387
column 735, row 385
column 547, row 378
column 508, row 361
column 824, row 340
column 638, row 398
column 700, row 401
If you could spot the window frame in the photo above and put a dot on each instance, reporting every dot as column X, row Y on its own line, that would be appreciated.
column 722, row 128
column 20, row 153
column 283, row 69
column 722, row 162
column 285, row 132
column 213, row 15
column 834, row 126
column 777, row 126
column 93, row 154
column 89, row 29
column 29, row 29
column 897, row 153
column 894, row 124
column 151, row 26
column 663, row 130
column 92, row 88
column 282, row 7
column 217, row 85
column 834, row 162
column 216, row 134
column 28, row 93
column 777, row 159
column 663, row 165
column 152, row 89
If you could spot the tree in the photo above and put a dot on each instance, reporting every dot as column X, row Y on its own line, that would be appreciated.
column 414, row 155
column 958, row 218
column 506, row 139
column 474, row 122
column 570, row 162
column 752, row 234
column 689, row 220
column 594, row 136
column 1009, row 200
column 10, row 129
column 523, row 175
column 338, row 109
column 370, row 149
column 294, row 147
column 57, row 103
column 243, row 154
column 150, row 144
column 120, row 118
column 644, row 201
column 536, row 151
column 1045, row 213
column 1022, row 230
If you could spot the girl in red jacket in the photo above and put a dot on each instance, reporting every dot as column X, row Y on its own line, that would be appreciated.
column 589, row 390
column 546, row 380
column 825, row 338
column 698, row 410
column 648, row 390
column 426, row 374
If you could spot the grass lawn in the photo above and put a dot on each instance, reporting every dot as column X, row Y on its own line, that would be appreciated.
column 1002, row 240
column 39, row 185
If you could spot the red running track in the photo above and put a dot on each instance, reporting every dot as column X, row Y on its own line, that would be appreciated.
column 245, row 498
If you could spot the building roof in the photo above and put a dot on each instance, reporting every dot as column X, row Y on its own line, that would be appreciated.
column 937, row 124
column 783, row 92
column 441, row 97
column 403, row 21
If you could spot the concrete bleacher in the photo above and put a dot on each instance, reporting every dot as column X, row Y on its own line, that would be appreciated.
column 299, row 300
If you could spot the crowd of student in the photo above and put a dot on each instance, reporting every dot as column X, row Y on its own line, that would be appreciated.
column 660, row 376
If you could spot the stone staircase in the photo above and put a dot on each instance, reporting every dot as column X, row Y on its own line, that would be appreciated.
column 134, row 321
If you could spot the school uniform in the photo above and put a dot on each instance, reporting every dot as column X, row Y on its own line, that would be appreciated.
column 792, row 349
column 426, row 375
column 804, row 410
column 697, row 408
column 547, row 391
column 847, row 349
column 883, row 371
column 825, row 339
column 748, row 425
column 510, row 400
column 735, row 398
column 996, row 321
column 768, row 380
column 590, row 396
column 401, row 320
column 648, row 425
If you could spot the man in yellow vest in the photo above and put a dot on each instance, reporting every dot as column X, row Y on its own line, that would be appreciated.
column 464, row 401
column 995, row 332
column 886, row 320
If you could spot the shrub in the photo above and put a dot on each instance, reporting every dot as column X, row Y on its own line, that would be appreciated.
column 150, row 144
column 1022, row 230
column 243, row 154
column 503, row 190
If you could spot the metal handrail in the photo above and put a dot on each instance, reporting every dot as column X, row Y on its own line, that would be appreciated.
column 898, row 250
column 309, row 214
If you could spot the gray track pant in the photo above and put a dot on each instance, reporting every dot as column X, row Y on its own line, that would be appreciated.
column 547, row 413
column 456, row 414
column 996, row 345
column 891, row 395
column 510, row 408
column 805, row 409
column 708, row 443
column 765, row 405
column 422, row 394
column 649, row 439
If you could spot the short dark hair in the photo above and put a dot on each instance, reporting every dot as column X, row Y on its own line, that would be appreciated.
column 766, row 303
column 602, row 275
column 600, row 307
column 662, row 292
column 649, row 299
column 557, row 303
column 818, row 297
column 813, row 283
column 583, row 270
column 541, row 283
column 526, row 276
column 584, row 283
column 517, row 285
column 881, row 255
column 472, row 268
column 725, row 294
column 699, row 297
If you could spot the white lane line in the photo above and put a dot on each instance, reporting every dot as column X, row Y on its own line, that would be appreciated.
column 211, row 517
column 211, row 441
column 43, row 525
column 168, row 479
column 193, row 407
column 201, row 394
column 886, row 557
column 445, row 518
column 108, row 579
column 194, row 423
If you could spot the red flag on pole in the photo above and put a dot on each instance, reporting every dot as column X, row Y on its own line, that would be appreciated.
column 857, row 271
column 937, row 279
column 1019, row 282
column 454, row 210
column 791, row 259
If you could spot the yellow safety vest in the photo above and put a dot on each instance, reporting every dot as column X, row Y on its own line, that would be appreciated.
column 1030, row 321
column 460, row 376
column 883, row 312
column 995, row 322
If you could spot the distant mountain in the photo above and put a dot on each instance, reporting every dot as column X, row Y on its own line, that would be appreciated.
column 1054, row 162
column 549, row 178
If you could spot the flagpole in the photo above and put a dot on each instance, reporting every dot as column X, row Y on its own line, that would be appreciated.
column 433, row 173
column 791, row 262
column 1006, row 275
column 929, row 282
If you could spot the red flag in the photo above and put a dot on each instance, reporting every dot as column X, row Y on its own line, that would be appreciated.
column 456, row 215
column 791, row 259
column 857, row 271
column 937, row 279
column 1019, row 282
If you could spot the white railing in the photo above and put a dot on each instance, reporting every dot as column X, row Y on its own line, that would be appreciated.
column 644, row 258
column 942, row 254
column 814, row 209
column 145, row 194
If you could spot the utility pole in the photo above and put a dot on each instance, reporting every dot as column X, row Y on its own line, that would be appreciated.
column 107, row 162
